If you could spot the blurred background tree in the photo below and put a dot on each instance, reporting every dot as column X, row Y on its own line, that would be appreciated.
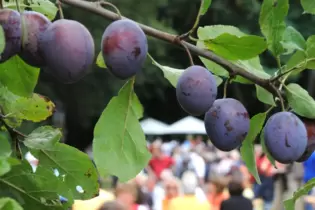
column 82, row 103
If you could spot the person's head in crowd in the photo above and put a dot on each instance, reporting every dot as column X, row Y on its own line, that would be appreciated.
column 235, row 187
column 172, row 188
column 156, row 149
column 189, row 183
column 199, row 139
column 216, row 185
column 113, row 205
column 140, row 181
column 190, row 137
column 126, row 193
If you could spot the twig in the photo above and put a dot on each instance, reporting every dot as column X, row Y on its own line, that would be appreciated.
column 1, row 4
column 60, row 9
column 106, row 3
column 230, row 67
column 11, row 130
column 186, row 49
column 17, row 5
column 279, row 96
column 281, row 75
column 17, row 149
column 196, row 23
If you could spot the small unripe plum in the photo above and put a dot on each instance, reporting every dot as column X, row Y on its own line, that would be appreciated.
column 227, row 123
column 10, row 21
column 310, row 127
column 196, row 90
column 34, row 24
column 124, row 48
column 285, row 137
column 68, row 50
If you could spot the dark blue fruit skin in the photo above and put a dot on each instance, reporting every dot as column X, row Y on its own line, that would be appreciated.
column 227, row 124
column 10, row 20
column 124, row 48
column 310, row 127
column 285, row 137
column 35, row 25
column 68, row 50
column 196, row 90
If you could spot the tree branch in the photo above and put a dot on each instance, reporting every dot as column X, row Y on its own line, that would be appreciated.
column 233, row 69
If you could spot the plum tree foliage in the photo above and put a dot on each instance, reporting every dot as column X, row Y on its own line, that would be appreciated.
column 30, row 42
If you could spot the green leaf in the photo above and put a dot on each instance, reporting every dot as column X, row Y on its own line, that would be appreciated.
column 302, row 60
column 300, row 101
column 293, row 40
column 100, row 61
column 118, row 137
column 2, row 40
column 247, row 148
column 36, row 108
column 37, row 190
column 233, row 47
column 137, row 107
column 5, row 166
column 289, row 204
column 172, row 74
column 265, row 150
column 74, row 166
column 211, row 32
column 44, row 137
column 308, row 6
column 45, row 7
column 310, row 47
column 205, row 4
column 272, row 23
column 19, row 77
column 265, row 96
column 252, row 65
column 5, row 147
column 9, row 204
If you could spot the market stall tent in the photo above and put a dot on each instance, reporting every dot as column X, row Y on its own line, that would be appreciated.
column 187, row 125
column 152, row 126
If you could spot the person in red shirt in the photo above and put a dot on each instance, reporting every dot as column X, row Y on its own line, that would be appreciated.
column 159, row 161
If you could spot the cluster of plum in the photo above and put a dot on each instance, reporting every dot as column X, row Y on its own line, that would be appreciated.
column 65, row 48
column 227, row 121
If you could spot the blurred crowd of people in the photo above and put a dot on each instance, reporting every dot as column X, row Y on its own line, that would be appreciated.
column 195, row 175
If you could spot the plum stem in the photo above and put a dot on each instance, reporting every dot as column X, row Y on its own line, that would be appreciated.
column 193, row 29
column 1, row 4
column 161, row 35
column 279, row 96
column 17, row 5
column 188, row 53
column 226, row 83
column 60, row 9
column 106, row 3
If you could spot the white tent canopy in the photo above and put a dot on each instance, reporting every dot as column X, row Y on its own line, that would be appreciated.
column 187, row 125
column 152, row 126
